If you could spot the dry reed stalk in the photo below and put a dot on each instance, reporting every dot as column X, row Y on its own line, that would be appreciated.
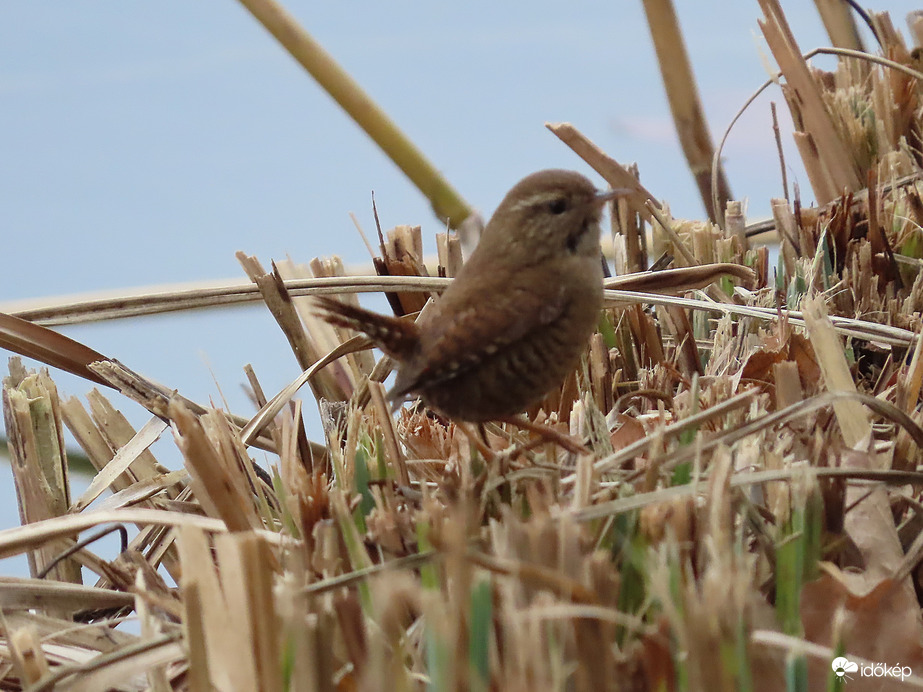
column 402, row 255
column 127, row 454
column 628, row 227
column 386, row 424
column 86, row 311
column 870, row 523
column 46, row 346
column 834, row 170
column 217, row 654
column 915, row 24
column 449, row 252
column 614, row 173
column 32, row 412
column 243, row 559
column 685, row 104
column 323, row 339
column 27, row 655
column 852, row 417
column 221, row 473
column 280, row 305
column 840, row 25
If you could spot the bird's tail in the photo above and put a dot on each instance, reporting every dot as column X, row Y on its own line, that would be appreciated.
column 396, row 337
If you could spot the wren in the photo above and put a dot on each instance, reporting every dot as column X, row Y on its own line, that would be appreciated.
column 515, row 320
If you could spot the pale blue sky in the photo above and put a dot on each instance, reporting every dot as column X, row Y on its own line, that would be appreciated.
column 145, row 143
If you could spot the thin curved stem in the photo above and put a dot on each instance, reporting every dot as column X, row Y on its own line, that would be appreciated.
column 843, row 52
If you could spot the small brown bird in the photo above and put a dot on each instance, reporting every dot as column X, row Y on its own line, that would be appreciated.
column 514, row 322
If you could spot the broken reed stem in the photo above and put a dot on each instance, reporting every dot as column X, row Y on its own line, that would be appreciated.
column 841, row 27
column 877, row 59
column 778, row 136
column 686, row 106
column 32, row 413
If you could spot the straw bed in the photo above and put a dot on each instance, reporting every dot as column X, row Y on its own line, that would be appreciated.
column 749, row 510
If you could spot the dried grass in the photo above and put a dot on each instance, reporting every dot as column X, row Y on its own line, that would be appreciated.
column 749, row 509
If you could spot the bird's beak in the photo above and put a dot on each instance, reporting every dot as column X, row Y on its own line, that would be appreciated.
column 606, row 195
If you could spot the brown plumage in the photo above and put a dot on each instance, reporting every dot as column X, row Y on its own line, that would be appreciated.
column 514, row 322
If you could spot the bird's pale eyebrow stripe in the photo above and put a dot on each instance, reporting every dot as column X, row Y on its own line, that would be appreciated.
column 536, row 199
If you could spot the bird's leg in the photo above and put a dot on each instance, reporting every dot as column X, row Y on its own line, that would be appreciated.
column 546, row 432
column 478, row 438
column 482, row 435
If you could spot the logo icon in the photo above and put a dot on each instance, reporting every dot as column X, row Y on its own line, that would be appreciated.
column 841, row 666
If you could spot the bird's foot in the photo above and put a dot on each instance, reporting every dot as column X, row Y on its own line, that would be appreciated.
column 546, row 432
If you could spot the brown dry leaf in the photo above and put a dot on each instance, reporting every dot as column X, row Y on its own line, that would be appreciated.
column 627, row 430
column 658, row 660
column 674, row 519
column 881, row 626
column 47, row 346
column 870, row 525
column 681, row 279
column 801, row 351
column 758, row 365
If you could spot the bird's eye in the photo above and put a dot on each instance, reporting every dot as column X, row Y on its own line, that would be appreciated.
column 557, row 206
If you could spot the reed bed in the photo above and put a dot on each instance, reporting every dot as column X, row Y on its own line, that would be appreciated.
column 749, row 510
